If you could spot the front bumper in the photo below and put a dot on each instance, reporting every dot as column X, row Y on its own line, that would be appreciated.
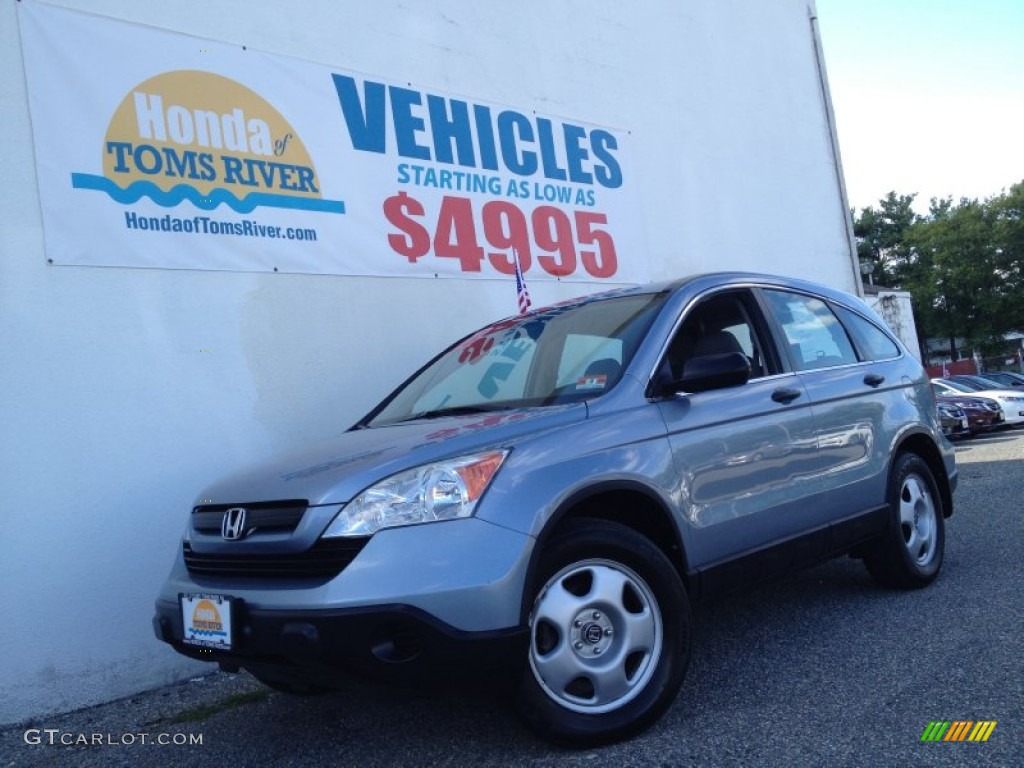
column 983, row 422
column 320, row 648
column 469, row 574
column 442, row 595
column 1013, row 413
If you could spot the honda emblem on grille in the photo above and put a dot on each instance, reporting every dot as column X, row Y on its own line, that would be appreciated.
column 232, row 527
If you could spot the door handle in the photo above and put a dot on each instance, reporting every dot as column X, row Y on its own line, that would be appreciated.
column 785, row 395
column 873, row 379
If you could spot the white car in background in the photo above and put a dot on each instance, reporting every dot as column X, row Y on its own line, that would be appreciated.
column 1006, row 379
column 1011, row 401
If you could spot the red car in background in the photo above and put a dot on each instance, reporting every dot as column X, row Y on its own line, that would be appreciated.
column 983, row 413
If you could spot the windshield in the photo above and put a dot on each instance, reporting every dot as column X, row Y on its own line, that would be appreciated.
column 1001, row 378
column 558, row 355
column 986, row 383
column 966, row 386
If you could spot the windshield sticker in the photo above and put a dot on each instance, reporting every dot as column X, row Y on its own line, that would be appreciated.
column 480, row 343
column 508, row 354
column 489, row 384
column 586, row 383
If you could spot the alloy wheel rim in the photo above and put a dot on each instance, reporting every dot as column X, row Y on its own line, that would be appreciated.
column 596, row 634
column 918, row 520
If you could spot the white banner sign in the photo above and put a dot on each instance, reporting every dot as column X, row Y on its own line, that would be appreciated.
column 157, row 149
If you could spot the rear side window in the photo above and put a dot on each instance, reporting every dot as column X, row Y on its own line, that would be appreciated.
column 815, row 336
column 873, row 342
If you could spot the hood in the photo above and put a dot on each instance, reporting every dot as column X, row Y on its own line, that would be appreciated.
column 336, row 470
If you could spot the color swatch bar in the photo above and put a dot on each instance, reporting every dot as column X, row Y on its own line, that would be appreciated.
column 958, row 730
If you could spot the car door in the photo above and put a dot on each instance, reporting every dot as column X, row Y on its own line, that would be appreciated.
column 746, row 455
column 856, row 379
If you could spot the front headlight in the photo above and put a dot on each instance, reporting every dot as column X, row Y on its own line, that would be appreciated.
column 444, row 490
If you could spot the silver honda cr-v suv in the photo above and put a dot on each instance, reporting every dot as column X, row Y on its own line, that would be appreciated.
column 544, row 500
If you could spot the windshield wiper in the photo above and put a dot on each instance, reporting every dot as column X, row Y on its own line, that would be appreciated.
column 458, row 410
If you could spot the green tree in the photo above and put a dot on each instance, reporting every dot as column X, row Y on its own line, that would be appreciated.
column 963, row 263
column 1008, row 241
column 881, row 236
column 961, row 281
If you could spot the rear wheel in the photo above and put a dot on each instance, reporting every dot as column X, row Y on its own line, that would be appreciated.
column 909, row 554
column 609, row 635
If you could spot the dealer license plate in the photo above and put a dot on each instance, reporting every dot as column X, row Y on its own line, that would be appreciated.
column 207, row 621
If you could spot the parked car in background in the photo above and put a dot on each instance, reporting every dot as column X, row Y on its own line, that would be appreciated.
column 544, row 500
column 953, row 420
column 983, row 414
column 980, row 380
column 1010, row 401
column 1005, row 378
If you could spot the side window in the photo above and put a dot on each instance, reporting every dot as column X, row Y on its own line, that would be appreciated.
column 721, row 323
column 816, row 338
column 871, row 339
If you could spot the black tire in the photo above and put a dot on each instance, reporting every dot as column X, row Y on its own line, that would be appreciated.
column 609, row 636
column 909, row 554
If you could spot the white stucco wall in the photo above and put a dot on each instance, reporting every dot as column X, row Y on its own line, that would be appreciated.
column 124, row 391
column 896, row 309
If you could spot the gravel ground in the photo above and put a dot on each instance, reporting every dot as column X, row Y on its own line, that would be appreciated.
column 821, row 669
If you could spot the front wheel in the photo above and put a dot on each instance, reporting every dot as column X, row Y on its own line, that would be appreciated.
column 909, row 554
column 609, row 635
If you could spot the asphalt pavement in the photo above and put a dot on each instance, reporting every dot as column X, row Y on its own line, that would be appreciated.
column 822, row 669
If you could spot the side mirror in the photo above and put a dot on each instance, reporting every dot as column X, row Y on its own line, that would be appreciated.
column 700, row 374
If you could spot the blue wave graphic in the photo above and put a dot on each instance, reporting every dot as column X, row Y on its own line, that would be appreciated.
column 172, row 197
column 210, row 632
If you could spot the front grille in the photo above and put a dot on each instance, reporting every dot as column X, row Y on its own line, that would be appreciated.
column 264, row 516
column 324, row 560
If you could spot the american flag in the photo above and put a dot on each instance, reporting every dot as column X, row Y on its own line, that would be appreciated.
column 521, row 292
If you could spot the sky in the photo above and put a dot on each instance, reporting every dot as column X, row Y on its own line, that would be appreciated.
column 928, row 96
